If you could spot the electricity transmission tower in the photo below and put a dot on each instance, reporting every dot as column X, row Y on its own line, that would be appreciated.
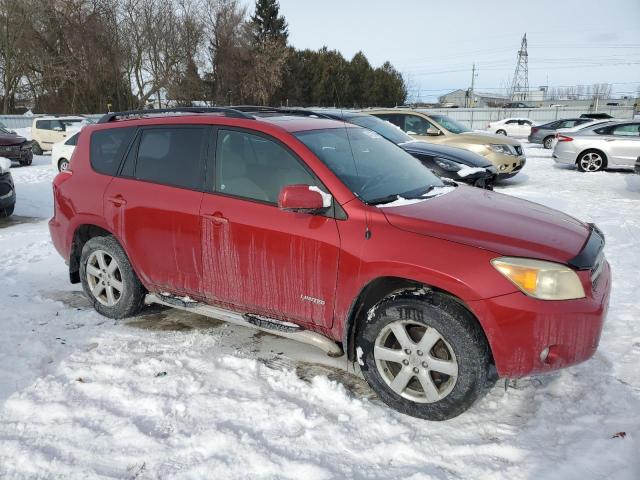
column 520, row 84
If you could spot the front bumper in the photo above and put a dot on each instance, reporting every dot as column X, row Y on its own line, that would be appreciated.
column 567, row 157
column 519, row 328
column 15, row 152
column 7, row 191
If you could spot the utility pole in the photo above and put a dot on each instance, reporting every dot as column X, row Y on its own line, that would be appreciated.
column 473, row 82
column 520, row 84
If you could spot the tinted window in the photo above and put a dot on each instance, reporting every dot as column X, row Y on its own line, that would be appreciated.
column 255, row 167
column 416, row 125
column 371, row 166
column 628, row 130
column 72, row 140
column 172, row 156
column 43, row 124
column 387, row 129
column 450, row 124
column 512, row 122
column 108, row 147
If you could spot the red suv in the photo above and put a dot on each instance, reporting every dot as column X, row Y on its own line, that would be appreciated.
column 326, row 232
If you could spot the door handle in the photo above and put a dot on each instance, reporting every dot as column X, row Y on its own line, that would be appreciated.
column 117, row 201
column 216, row 218
column 609, row 139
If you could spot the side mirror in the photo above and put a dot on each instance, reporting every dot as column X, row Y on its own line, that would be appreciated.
column 303, row 199
column 433, row 132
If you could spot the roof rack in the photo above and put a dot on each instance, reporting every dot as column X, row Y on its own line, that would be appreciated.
column 228, row 112
column 282, row 110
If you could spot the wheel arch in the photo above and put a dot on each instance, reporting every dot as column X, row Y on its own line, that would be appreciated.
column 383, row 287
column 81, row 235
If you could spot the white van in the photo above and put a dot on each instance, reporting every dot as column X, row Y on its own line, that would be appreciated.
column 45, row 131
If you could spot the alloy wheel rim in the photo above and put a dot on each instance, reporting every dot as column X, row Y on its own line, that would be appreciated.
column 548, row 143
column 415, row 361
column 64, row 165
column 104, row 278
column 591, row 162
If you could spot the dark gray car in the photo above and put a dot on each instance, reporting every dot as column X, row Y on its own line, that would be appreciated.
column 545, row 134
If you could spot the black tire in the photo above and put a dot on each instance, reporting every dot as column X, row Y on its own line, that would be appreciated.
column 36, row 149
column 28, row 160
column 460, row 332
column 131, row 299
column 548, row 142
column 7, row 211
column 63, row 165
column 582, row 161
column 501, row 132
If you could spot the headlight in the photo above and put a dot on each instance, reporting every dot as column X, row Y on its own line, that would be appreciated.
column 5, row 165
column 540, row 279
column 500, row 148
column 448, row 165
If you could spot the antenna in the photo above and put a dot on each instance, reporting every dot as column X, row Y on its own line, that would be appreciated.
column 520, row 83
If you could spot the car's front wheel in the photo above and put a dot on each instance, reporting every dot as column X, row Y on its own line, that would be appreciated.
column 424, row 356
column 28, row 160
column 6, row 211
column 36, row 148
column 108, row 279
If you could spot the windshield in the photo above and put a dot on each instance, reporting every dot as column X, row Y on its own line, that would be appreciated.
column 386, row 129
column 450, row 124
column 372, row 167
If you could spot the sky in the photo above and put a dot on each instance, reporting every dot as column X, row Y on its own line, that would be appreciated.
column 434, row 43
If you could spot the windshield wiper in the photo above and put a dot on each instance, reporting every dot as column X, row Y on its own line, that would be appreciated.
column 381, row 200
column 412, row 196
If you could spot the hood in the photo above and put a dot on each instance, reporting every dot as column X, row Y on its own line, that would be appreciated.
column 10, row 139
column 496, row 222
column 459, row 155
column 468, row 138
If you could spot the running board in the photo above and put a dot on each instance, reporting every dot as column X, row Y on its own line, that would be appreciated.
column 269, row 325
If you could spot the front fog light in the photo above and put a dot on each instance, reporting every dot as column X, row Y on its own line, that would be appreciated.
column 540, row 279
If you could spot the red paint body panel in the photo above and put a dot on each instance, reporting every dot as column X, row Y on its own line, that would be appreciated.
column 496, row 222
column 253, row 256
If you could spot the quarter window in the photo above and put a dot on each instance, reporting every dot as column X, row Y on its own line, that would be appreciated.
column 72, row 140
column 255, row 167
column 172, row 156
column 108, row 147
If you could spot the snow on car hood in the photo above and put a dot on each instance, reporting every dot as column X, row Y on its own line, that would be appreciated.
column 437, row 191
column 493, row 221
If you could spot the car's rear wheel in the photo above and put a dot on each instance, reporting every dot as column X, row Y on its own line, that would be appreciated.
column 28, row 160
column 424, row 356
column 6, row 211
column 108, row 279
column 502, row 132
column 63, row 165
column 591, row 161
column 548, row 142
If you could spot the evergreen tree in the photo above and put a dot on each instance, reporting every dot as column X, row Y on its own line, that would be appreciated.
column 267, row 23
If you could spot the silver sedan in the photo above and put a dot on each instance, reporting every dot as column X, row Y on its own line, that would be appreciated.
column 600, row 146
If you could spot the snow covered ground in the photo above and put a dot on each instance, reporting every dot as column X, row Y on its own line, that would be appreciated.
column 172, row 395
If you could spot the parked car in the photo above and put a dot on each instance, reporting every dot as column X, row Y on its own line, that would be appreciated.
column 600, row 146
column 450, row 162
column 518, row 105
column 325, row 232
column 546, row 133
column 596, row 116
column 45, row 131
column 14, row 147
column 61, row 152
column 637, row 167
column 506, row 154
column 7, row 189
column 512, row 127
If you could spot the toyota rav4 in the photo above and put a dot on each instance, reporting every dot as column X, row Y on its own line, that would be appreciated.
column 327, row 233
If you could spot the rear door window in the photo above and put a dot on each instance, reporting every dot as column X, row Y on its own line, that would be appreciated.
column 172, row 156
column 108, row 147
column 43, row 124
column 628, row 130
column 416, row 125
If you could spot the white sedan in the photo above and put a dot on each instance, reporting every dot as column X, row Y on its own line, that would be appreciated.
column 512, row 127
column 61, row 152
